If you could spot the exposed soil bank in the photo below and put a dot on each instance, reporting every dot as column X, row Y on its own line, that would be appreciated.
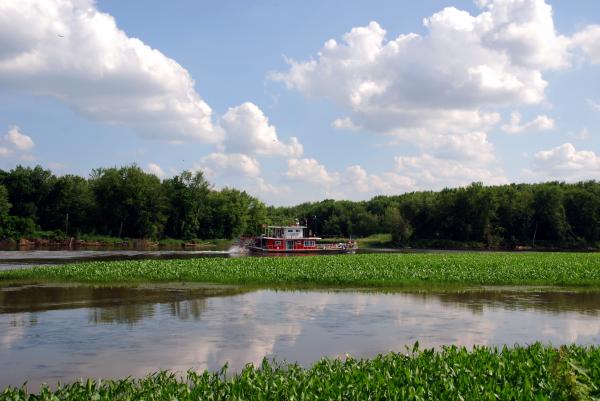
column 112, row 243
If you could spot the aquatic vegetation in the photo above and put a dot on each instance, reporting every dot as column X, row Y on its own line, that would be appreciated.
column 452, row 373
column 377, row 270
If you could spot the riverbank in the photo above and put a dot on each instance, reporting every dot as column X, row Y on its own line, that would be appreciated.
column 483, row 373
column 54, row 241
column 103, row 243
column 363, row 270
column 384, row 241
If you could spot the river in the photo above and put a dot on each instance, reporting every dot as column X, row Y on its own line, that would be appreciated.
column 60, row 333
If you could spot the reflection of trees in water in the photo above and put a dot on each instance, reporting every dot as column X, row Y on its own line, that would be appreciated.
column 134, row 313
column 42, row 298
column 546, row 301
column 190, row 309
column 129, row 304
column 121, row 314
column 512, row 299
column 39, row 298
column 23, row 320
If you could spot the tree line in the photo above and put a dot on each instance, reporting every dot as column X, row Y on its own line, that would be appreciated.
column 486, row 216
column 123, row 202
column 128, row 202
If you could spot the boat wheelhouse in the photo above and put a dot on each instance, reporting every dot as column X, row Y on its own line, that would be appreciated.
column 287, row 239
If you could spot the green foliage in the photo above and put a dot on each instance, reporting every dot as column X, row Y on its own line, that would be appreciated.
column 549, row 218
column 123, row 202
column 71, row 205
column 502, row 216
column 257, row 216
column 399, row 227
column 229, row 213
column 187, row 196
column 535, row 372
column 20, row 227
column 128, row 202
column 28, row 191
column 376, row 241
column 4, row 208
column 571, row 379
column 364, row 270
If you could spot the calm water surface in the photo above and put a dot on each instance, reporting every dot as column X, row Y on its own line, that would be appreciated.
column 29, row 258
column 21, row 259
column 51, row 334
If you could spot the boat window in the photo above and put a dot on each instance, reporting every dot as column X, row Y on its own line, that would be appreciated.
column 277, row 242
column 309, row 243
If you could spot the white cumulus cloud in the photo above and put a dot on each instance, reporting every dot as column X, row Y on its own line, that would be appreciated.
column 311, row 171
column 73, row 52
column 353, row 182
column 588, row 40
column 345, row 123
column 469, row 148
column 540, row 123
column 155, row 169
column 464, row 63
column 409, row 173
column 19, row 140
column 564, row 162
column 430, row 172
column 356, row 180
column 439, row 91
column 247, row 130
column 228, row 164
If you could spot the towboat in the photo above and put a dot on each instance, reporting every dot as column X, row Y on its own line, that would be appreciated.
column 293, row 239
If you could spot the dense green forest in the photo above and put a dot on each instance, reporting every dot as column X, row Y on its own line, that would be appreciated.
column 552, row 213
column 128, row 202
column 122, row 202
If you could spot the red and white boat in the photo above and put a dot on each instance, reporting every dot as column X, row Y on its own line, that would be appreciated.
column 293, row 239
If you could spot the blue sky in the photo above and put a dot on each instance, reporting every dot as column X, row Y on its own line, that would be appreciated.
column 253, row 94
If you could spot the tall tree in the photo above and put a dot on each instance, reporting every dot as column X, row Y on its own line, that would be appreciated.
column 582, row 208
column 187, row 198
column 130, row 202
column 397, row 225
column 229, row 214
column 28, row 190
column 70, row 206
column 549, row 219
column 4, row 208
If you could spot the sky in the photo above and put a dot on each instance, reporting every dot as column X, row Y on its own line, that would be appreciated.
column 305, row 100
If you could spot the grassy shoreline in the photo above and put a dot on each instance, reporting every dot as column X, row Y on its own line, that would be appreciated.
column 364, row 270
column 482, row 373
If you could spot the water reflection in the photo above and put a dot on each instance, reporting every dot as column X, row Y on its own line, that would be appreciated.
column 52, row 333
column 134, row 313
column 555, row 301
column 111, row 305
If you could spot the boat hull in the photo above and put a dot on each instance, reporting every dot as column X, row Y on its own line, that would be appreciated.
column 258, row 250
